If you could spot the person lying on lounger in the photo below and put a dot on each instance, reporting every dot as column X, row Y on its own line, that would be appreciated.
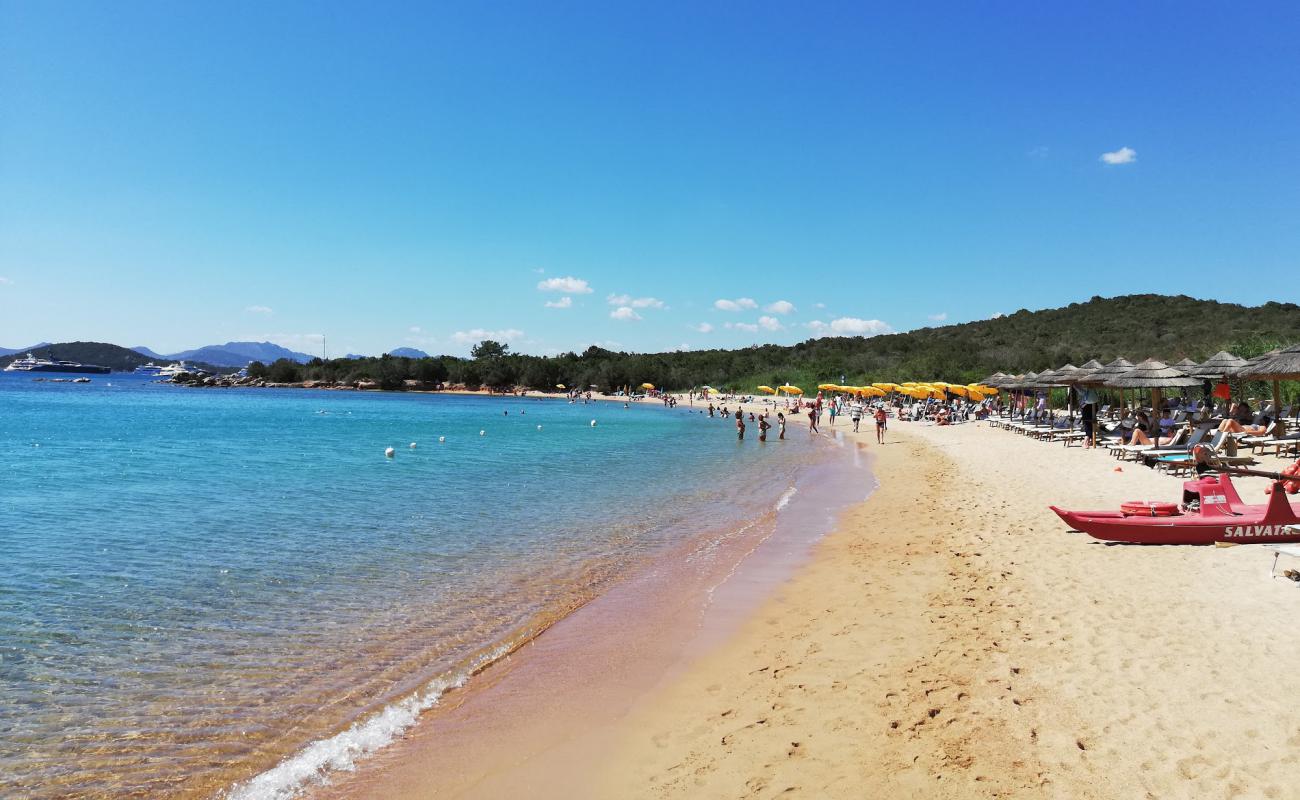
column 1233, row 426
column 1140, row 433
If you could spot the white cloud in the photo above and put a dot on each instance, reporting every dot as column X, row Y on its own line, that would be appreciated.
column 567, row 285
column 682, row 348
column 4, row 280
column 819, row 305
column 770, row 324
column 940, row 317
column 539, row 271
column 703, row 327
column 476, row 335
column 563, row 302
column 624, row 313
column 850, row 326
column 780, row 307
column 747, row 327
column 998, row 315
column 414, row 329
column 1124, row 155
column 738, row 304
column 250, row 309
column 634, row 302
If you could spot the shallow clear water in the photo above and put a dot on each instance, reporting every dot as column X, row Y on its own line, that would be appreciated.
column 198, row 584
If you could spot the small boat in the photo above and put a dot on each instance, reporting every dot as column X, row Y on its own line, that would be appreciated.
column 1211, row 511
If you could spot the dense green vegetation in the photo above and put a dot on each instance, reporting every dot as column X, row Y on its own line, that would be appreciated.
column 1135, row 327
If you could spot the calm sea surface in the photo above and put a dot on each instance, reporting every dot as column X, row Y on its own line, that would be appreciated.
column 204, row 586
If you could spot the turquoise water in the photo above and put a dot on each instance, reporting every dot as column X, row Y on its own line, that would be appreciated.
column 201, row 584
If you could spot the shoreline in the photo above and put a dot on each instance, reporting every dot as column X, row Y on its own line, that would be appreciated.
column 950, row 638
column 653, row 599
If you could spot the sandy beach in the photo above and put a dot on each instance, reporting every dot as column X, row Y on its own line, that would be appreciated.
column 952, row 639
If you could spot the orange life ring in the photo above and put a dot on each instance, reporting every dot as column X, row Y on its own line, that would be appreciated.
column 1148, row 508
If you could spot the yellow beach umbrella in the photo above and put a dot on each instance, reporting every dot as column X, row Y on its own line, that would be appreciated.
column 788, row 389
column 961, row 391
column 560, row 386
column 647, row 386
column 885, row 387
column 767, row 390
column 827, row 386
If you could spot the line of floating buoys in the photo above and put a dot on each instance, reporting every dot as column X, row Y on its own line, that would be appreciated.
column 389, row 452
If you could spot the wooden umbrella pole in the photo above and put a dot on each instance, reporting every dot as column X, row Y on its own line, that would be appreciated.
column 1279, row 427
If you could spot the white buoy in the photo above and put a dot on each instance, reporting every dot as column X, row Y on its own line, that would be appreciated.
column 593, row 423
column 482, row 433
column 539, row 427
column 442, row 439
column 412, row 445
column 389, row 452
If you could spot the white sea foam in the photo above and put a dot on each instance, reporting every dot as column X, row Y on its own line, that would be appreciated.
column 341, row 752
column 785, row 497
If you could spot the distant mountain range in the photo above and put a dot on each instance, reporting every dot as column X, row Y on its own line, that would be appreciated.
column 230, row 354
column 408, row 352
column 5, row 351
column 238, row 354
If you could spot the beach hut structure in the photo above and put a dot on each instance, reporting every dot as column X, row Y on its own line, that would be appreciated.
column 1154, row 375
column 1279, row 365
column 1186, row 365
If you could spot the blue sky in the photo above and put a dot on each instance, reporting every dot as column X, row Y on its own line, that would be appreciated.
column 399, row 174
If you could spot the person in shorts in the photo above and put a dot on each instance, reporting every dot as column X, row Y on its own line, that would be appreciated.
column 881, row 418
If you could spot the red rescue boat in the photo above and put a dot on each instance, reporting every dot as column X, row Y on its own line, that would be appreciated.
column 1211, row 511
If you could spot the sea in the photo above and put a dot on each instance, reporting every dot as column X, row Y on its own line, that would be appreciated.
column 233, row 593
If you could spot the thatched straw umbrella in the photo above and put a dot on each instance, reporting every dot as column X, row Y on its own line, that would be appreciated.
column 1218, row 366
column 994, row 379
column 1101, row 374
column 1186, row 365
column 1280, row 365
column 1153, row 375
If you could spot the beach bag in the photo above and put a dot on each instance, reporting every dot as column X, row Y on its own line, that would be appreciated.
column 1292, row 486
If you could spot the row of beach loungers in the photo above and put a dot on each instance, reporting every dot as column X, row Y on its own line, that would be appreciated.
column 1175, row 457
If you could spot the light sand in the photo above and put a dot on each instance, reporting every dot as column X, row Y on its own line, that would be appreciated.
column 952, row 639
column 949, row 639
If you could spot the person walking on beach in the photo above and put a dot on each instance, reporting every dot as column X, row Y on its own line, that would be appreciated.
column 855, row 414
column 780, row 421
column 833, row 411
column 881, row 418
column 740, row 425
column 812, row 419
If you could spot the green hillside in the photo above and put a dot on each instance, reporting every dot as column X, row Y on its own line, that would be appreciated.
column 118, row 359
column 1135, row 326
